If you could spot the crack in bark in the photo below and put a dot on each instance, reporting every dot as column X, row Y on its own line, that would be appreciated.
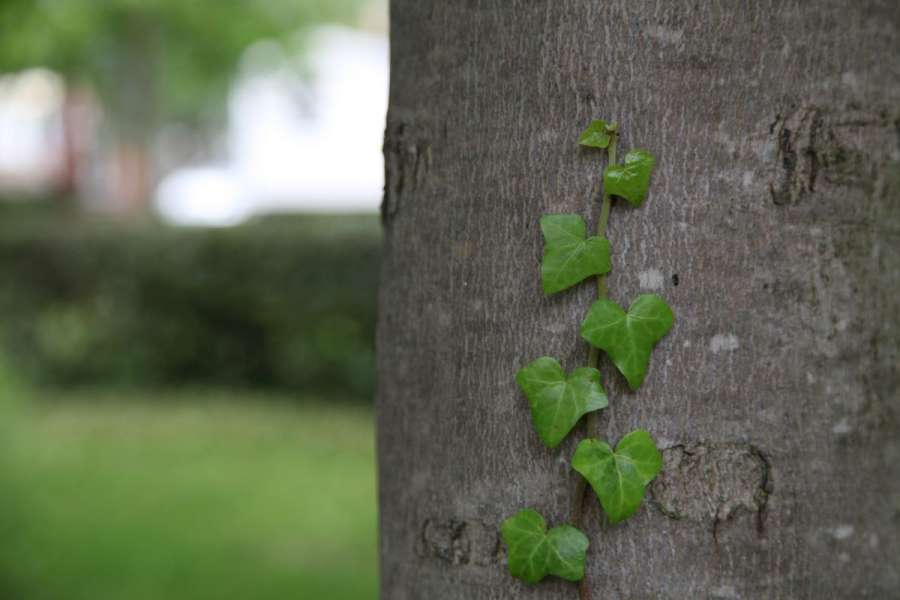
column 459, row 542
column 407, row 162
column 841, row 148
column 709, row 483
column 766, row 487
column 797, row 161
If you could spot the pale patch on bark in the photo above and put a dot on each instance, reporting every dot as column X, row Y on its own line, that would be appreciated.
column 724, row 341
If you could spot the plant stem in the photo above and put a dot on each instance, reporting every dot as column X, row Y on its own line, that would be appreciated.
column 594, row 355
column 604, row 212
column 593, row 418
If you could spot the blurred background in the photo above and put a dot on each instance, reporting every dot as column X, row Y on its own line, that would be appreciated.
column 189, row 251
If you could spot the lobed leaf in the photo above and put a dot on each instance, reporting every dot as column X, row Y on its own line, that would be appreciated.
column 596, row 135
column 628, row 338
column 619, row 478
column 569, row 257
column 631, row 179
column 534, row 553
column 558, row 402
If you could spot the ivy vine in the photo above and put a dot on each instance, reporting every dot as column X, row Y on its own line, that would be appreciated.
column 558, row 401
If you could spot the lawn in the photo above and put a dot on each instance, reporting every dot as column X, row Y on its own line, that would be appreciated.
column 188, row 495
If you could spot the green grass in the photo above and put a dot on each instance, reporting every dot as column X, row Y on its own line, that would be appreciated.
column 186, row 496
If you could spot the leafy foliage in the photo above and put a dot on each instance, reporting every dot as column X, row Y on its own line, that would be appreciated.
column 558, row 402
column 596, row 135
column 282, row 303
column 175, row 57
column 535, row 552
column 569, row 257
column 628, row 338
column 619, row 478
column 631, row 179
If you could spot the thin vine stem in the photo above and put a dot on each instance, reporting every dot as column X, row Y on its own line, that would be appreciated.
column 592, row 425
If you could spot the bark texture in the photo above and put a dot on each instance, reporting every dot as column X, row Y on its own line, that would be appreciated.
column 772, row 228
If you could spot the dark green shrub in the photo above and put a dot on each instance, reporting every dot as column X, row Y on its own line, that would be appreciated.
column 287, row 302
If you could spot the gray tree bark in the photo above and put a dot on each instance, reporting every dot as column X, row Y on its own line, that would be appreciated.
column 772, row 228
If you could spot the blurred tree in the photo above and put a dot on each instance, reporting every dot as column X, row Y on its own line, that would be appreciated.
column 150, row 61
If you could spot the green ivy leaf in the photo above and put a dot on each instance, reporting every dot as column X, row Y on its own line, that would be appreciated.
column 596, row 135
column 628, row 337
column 568, row 257
column 631, row 179
column 535, row 553
column 557, row 402
column 619, row 478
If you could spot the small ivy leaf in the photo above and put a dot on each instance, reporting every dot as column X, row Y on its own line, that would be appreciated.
column 631, row 179
column 568, row 257
column 628, row 337
column 535, row 553
column 557, row 401
column 596, row 135
column 619, row 478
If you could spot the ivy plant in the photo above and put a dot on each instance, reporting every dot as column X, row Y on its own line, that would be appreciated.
column 570, row 257
column 632, row 179
column 628, row 337
column 619, row 478
column 558, row 400
column 535, row 552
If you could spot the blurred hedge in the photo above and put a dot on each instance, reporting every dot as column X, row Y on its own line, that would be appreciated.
column 288, row 302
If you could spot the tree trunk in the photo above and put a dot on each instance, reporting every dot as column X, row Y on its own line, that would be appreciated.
column 76, row 133
column 134, row 111
column 132, row 177
column 772, row 229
